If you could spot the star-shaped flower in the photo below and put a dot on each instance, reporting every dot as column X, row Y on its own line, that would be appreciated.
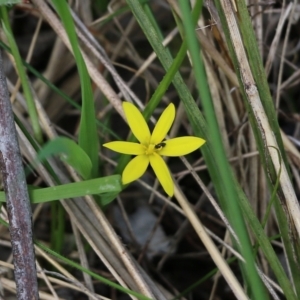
column 152, row 146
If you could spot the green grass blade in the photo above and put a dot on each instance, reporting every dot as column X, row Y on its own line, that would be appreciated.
column 236, row 217
column 88, row 138
column 24, row 80
column 57, row 226
column 9, row 2
column 96, row 186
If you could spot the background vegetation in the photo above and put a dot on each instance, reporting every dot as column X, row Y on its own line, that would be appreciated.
column 231, row 68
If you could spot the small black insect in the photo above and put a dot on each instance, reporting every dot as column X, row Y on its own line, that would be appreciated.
column 160, row 145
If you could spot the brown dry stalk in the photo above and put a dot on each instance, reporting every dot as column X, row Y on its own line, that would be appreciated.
column 268, row 137
column 18, row 203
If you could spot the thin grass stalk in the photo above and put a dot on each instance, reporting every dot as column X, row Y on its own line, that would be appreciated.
column 32, row 111
column 208, row 243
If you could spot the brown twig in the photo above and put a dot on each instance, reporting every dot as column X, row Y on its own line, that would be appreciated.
column 18, row 203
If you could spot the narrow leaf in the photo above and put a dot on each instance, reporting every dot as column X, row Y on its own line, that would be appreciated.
column 69, row 152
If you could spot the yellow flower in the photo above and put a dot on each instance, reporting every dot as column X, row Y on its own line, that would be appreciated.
column 152, row 146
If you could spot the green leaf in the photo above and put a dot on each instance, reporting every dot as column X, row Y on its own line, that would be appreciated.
column 69, row 152
column 107, row 198
column 9, row 2
column 88, row 138
column 108, row 184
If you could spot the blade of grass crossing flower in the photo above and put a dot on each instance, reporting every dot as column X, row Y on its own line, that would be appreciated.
column 236, row 217
column 88, row 138
column 24, row 80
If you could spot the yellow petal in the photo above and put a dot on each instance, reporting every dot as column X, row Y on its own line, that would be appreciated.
column 181, row 146
column 126, row 147
column 162, row 173
column 163, row 125
column 135, row 169
column 137, row 123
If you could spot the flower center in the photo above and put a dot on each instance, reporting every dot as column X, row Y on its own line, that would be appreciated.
column 151, row 148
